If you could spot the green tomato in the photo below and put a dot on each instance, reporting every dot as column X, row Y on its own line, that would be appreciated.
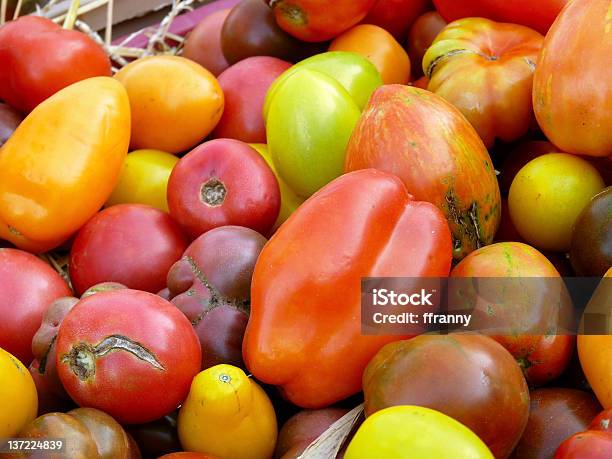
column 310, row 122
column 548, row 194
column 289, row 200
column 354, row 72
column 414, row 432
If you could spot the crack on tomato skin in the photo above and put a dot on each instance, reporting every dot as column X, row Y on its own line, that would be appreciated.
column 42, row 364
column 216, row 298
column 82, row 356
column 466, row 221
column 431, row 68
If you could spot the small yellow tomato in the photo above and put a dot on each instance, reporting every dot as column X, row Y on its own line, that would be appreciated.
column 175, row 102
column 228, row 415
column 289, row 200
column 414, row 432
column 144, row 179
column 548, row 194
column 18, row 397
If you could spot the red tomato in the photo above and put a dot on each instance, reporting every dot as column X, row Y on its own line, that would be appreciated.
column 128, row 353
column 203, row 44
column 538, row 15
column 317, row 20
column 28, row 285
column 132, row 244
column 586, row 445
column 422, row 33
column 603, row 421
column 396, row 16
column 223, row 182
column 245, row 85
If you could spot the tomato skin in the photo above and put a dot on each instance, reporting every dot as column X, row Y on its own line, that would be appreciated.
column 314, row 20
column 572, row 91
column 187, row 455
column 348, row 230
column 517, row 157
column 429, row 433
column 396, row 16
column 542, row 357
column 595, row 353
column 485, row 69
column 538, row 16
column 9, row 121
column 119, row 383
column 49, row 60
column 144, row 179
column 548, row 194
column 555, row 414
column 27, row 285
column 175, row 102
column 158, row 437
column 223, row 182
column 245, row 85
column 603, row 421
column 422, row 34
column 380, row 48
column 203, row 44
column 49, row 189
column 132, row 244
column 427, row 143
column 586, row 445
column 408, row 373
column 17, row 395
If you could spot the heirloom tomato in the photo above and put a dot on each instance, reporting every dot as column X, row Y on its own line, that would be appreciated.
column 144, row 179
column 416, row 432
column 175, row 102
column 203, row 44
column 547, row 196
column 129, row 353
column 379, row 47
column 586, row 445
column 363, row 224
column 132, row 244
column 572, row 88
column 396, row 16
column 485, row 69
column 427, row 143
column 422, row 34
column 537, row 15
column 603, row 421
column 227, row 414
column 318, row 20
column 158, row 437
column 28, row 286
column 17, row 395
column 50, row 188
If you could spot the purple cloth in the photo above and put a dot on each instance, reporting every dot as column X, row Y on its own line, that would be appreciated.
column 183, row 23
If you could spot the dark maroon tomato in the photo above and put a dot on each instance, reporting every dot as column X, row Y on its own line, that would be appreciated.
column 48, row 402
column 302, row 429
column 591, row 249
column 603, row 421
column 158, row 437
column 28, row 286
column 43, row 344
column 87, row 432
column 586, row 445
column 470, row 378
column 251, row 30
column 9, row 120
column 203, row 44
column 245, row 85
column 555, row 414
column 223, row 182
column 132, row 244
column 211, row 284
column 422, row 33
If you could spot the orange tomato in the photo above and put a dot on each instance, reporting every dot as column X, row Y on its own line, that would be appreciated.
column 595, row 351
column 175, row 102
column 62, row 163
column 379, row 46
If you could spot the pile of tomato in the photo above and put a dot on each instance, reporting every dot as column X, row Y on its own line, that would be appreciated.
column 219, row 208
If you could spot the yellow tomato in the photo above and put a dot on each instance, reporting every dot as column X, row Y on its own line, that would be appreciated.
column 414, row 432
column 595, row 351
column 175, row 102
column 548, row 194
column 18, row 397
column 144, row 179
column 289, row 200
column 228, row 415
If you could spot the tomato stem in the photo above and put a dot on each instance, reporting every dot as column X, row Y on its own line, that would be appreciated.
column 72, row 14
